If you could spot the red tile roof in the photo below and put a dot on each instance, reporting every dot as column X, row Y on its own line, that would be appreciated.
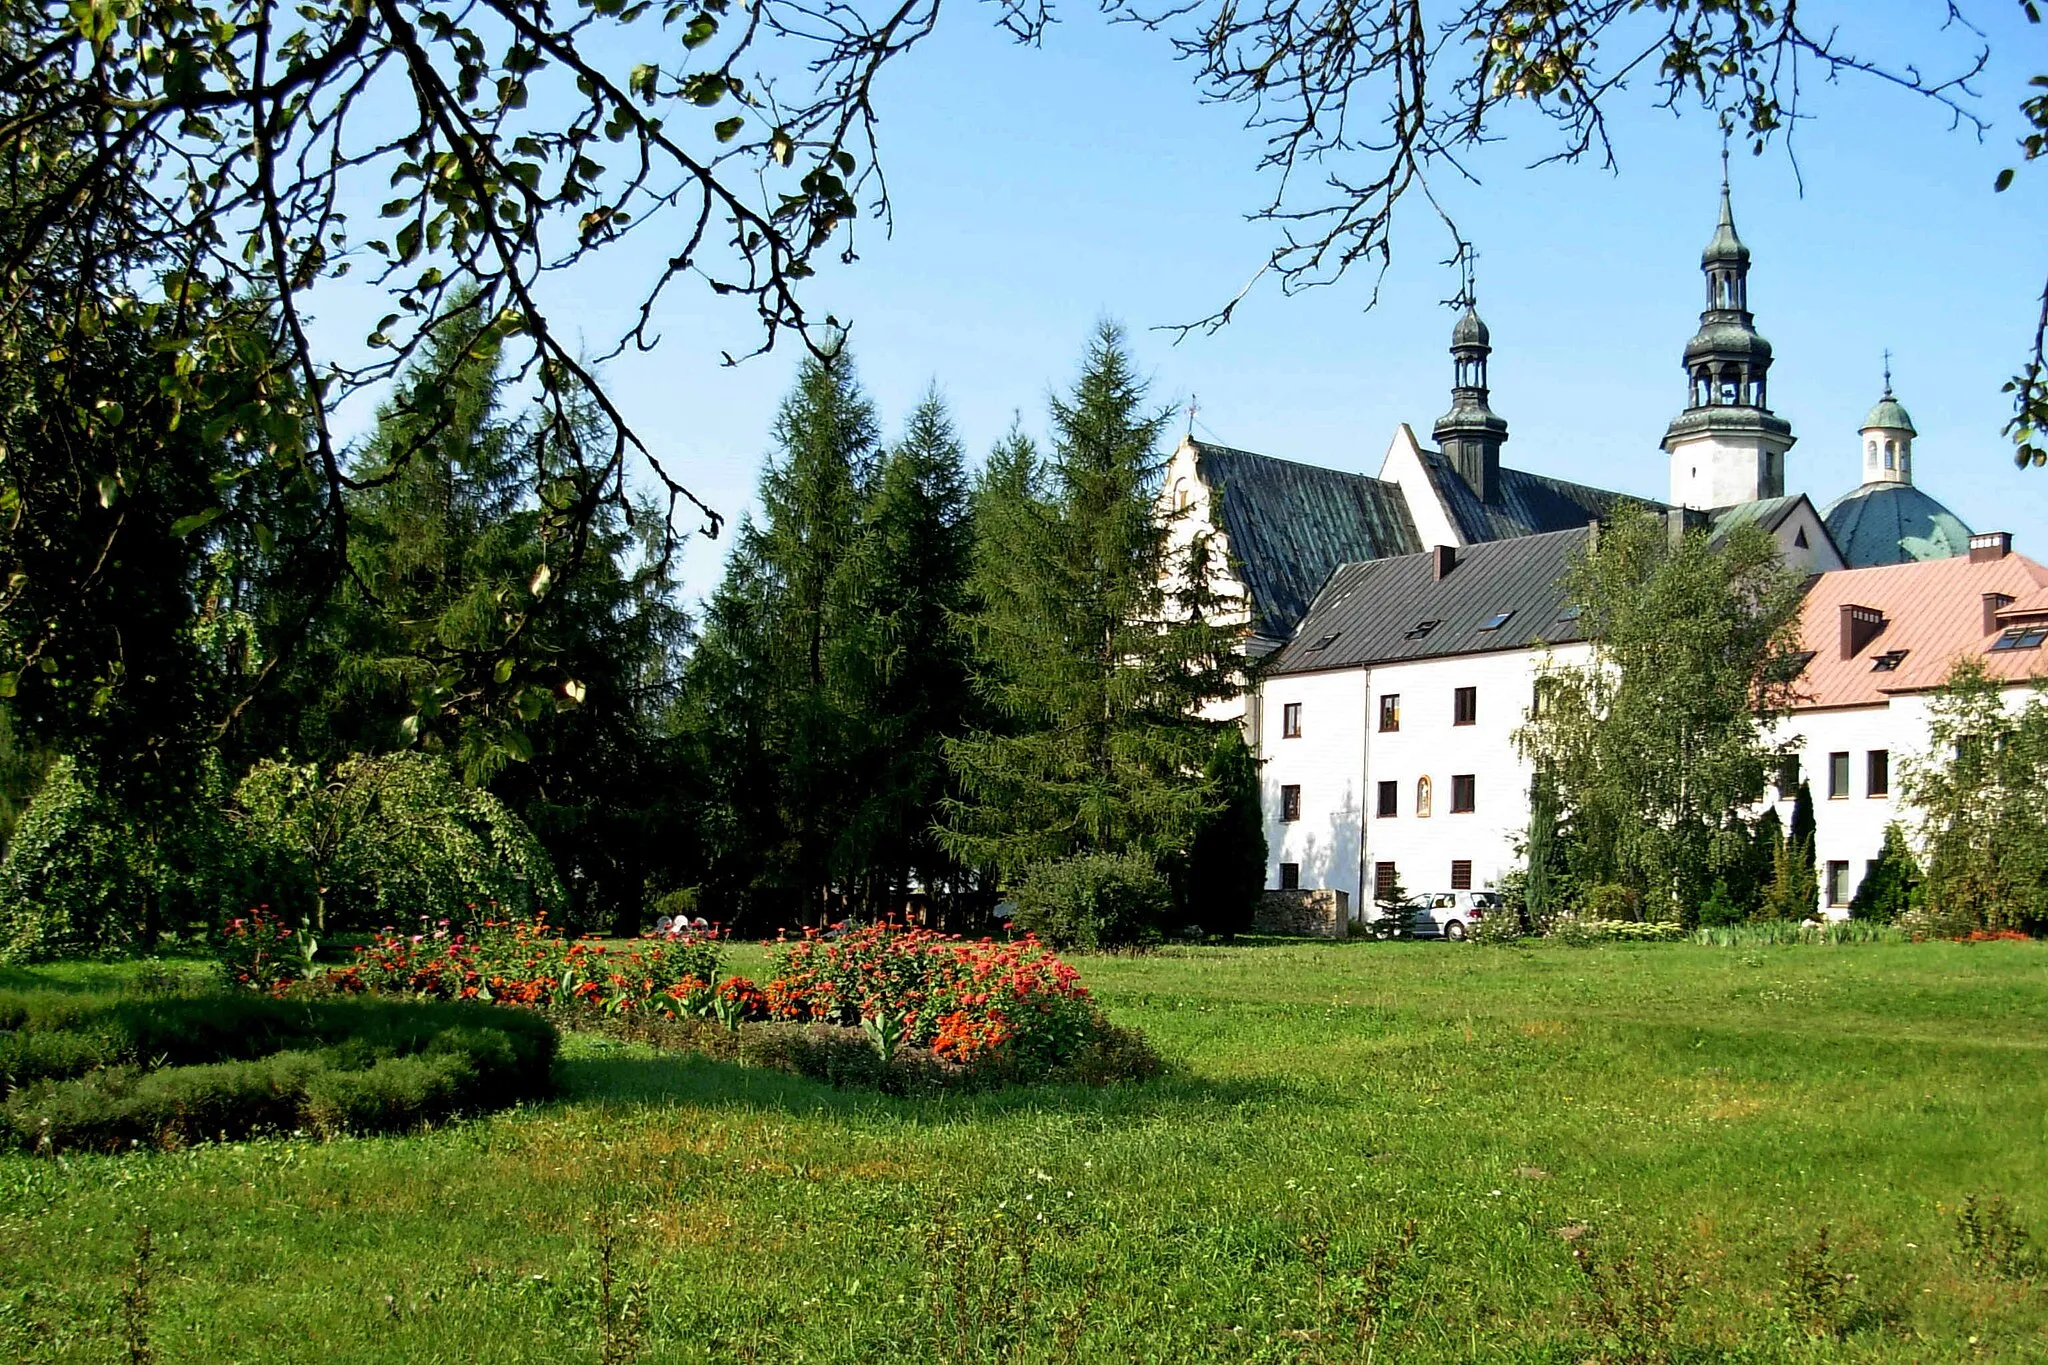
column 1933, row 609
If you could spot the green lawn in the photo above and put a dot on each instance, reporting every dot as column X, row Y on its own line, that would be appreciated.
column 1366, row 1151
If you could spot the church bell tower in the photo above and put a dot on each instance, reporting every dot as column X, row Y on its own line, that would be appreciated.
column 1471, row 433
column 1727, row 447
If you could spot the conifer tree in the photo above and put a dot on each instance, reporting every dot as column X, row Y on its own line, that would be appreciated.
column 779, row 742
column 1887, row 888
column 902, row 658
column 1097, row 650
column 1225, row 868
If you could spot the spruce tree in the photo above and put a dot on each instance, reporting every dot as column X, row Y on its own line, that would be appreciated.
column 902, row 660
column 1887, row 888
column 768, row 701
column 1220, row 880
column 1091, row 656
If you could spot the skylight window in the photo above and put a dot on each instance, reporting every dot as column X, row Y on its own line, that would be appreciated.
column 2021, row 637
column 1324, row 643
column 1569, row 614
column 1888, row 662
column 1497, row 620
column 1422, row 628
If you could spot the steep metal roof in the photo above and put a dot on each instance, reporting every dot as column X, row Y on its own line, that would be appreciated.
column 1371, row 613
column 1530, row 504
column 1290, row 524
column 1768, row 513
column 1893, row 523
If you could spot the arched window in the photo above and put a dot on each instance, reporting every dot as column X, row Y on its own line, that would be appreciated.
column 1888, row 463
column 1904, row 470
column 1422, row 798
column 1180, row 495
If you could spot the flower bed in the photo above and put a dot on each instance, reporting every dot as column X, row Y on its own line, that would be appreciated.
column 964, row 1001
column 532, row 964
column 906, row 1010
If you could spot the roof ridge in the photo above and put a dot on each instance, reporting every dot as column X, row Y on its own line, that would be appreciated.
column 1298, row 464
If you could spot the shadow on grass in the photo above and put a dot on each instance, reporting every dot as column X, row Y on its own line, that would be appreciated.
column 638, row 1077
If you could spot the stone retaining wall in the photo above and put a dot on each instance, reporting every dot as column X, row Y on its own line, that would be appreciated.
column 1322, row 912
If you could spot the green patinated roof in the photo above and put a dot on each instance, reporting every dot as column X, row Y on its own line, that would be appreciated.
column 1530, row 504
column 1893, row 523
column 1470, row 331
column 1725, row 245
column 1291, row 524
column 1890, row 412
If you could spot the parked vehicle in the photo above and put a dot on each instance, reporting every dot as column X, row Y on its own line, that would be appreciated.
column 1437, row 914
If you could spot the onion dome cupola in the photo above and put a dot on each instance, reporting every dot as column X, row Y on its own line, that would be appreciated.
column 1471, row 433
column 1886, row 520
column 1727, row 446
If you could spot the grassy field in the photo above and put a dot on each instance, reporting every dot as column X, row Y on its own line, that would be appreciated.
column 1366, row 1152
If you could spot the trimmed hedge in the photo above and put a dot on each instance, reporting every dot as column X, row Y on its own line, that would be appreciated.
column 103, row 1073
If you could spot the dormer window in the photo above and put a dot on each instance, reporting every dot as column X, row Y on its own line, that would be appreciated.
column 2021, row 637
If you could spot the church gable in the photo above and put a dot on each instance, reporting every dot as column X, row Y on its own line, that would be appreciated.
column 1288, row 525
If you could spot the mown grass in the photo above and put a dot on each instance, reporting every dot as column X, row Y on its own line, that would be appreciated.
column 1366, row 1152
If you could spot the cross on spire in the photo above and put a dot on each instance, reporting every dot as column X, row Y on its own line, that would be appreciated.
column 1887, row 371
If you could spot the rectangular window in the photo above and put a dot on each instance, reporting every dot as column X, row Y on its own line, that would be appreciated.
column 1838, row 776
column 1788, row 777
column 1290, row 802
column 1464, row 787
column 1838, row 883
column 1390, row 712
column 1383, row 881
column 1290, row 720
column 1880, row 773
column 1461, row 874
column 1465, row 706
column 1390, row 799
column 1290, row 876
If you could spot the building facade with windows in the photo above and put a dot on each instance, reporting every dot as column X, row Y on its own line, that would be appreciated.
column 1881, row 641
column 1388, row 722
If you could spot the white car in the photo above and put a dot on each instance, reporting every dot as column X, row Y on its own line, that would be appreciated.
column 1438, row 914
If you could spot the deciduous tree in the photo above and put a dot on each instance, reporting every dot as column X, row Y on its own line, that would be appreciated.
column 1657, row 744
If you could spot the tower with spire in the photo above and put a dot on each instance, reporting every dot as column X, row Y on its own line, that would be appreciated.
column 1727, row 446
column 1885, row 519
column 1470, row 435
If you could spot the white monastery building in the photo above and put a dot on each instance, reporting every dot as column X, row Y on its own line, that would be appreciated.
column 1399, row 621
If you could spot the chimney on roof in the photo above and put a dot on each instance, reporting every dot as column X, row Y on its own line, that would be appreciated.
column 1860, row 625
column 1994, row 603
column 1679, row 520
column 1443, row 559
column 1986, row 546
column 1592, row 535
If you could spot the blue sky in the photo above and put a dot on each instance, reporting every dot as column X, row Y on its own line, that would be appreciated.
column 1040, row 190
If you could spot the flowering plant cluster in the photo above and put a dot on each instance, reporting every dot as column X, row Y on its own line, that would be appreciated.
column 967, row 1001
column 531, row 963
column 260, row 952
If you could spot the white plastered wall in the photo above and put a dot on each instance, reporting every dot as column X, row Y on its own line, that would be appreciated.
column 1187, row 505
column 1403, row 466
column 1342, row 756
